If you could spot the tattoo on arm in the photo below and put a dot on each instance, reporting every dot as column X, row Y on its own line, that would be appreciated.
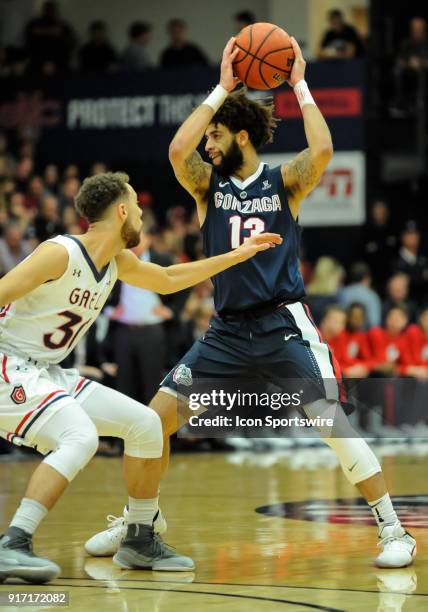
column 302, row 175
column 195, row 172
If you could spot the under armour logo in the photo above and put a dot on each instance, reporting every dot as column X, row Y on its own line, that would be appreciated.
column 266, row 185
column 77, row 272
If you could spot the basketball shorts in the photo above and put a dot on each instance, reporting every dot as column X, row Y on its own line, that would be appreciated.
column 31, row 392
column 283, row 348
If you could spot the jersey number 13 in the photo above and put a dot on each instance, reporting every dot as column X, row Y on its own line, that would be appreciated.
column 254, row 225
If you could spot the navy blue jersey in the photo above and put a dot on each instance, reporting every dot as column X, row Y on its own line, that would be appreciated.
column 237, row 210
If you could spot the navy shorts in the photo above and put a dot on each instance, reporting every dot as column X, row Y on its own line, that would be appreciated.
column 280, row 348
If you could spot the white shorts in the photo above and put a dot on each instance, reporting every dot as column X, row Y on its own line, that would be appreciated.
column 30, row 394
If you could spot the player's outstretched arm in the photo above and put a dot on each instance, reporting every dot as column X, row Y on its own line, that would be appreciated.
column 189, row 168
column 303, row 173
column 48, row 262
column 175, row 278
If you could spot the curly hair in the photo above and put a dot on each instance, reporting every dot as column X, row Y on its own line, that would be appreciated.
column 239, row 112
column 98, row 192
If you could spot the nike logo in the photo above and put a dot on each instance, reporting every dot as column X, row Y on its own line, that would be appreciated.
column 290, row 336
column 352, row 466
column 223, row 184
column 381, row 520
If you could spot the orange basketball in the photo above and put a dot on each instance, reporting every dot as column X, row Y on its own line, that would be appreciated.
column 265, row 56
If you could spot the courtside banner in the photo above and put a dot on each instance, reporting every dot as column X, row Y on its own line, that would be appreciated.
column 122, row 118
column 339, row 198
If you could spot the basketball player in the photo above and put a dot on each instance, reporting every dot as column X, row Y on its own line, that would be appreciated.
column 49, row 301
column 262, row 326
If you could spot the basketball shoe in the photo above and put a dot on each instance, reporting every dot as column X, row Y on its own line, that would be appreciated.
column 142, row 548
column 107, row 542
column 398, row 547
column 17, row 559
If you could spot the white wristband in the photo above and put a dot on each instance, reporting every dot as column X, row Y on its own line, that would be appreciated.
column 303, row 94
column 216, row 98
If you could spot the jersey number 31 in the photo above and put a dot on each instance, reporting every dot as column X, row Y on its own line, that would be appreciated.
column 69, row 333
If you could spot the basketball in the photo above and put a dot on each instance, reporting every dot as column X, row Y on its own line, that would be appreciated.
column 265, row 57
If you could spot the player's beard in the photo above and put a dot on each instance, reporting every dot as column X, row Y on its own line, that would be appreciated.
column 231, row 161
column 130, row 236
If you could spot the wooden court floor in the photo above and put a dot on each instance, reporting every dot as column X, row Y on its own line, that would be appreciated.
column 246, row 561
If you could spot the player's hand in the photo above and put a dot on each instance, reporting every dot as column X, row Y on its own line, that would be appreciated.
column 260, row 242
column 227, row 78
column 299, row 66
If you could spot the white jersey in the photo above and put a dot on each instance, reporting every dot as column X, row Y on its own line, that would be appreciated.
column 47, row 323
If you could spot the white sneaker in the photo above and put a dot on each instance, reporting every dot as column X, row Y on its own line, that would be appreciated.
column 398, row 547
column 106, row 543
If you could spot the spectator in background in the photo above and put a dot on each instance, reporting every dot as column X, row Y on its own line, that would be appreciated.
column 412, row 59
column 71, row 171
column 140, row 342
column 13, row 248
column 34, row 195
column 27, row 149
column 69, row 191
column 397, row 294
column 176, row 230
column 50, row 41
column 70, row 219
column 323, row 289
column 390, row 347
column 418, row 339
column 351, row 347
column 17, row 211
column 359, row 290
column 332, row 323
column 47, row 223
column 411, row 262
column 98, row 168
column 380, row 242
column 51, row 178
column 98, row 54
column 135, row 57
column 181, row 53
column 341, row 40
column 244, row 19
column 23, row 172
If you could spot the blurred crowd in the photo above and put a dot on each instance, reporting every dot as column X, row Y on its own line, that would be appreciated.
column 374, row 315
column 51, row 46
